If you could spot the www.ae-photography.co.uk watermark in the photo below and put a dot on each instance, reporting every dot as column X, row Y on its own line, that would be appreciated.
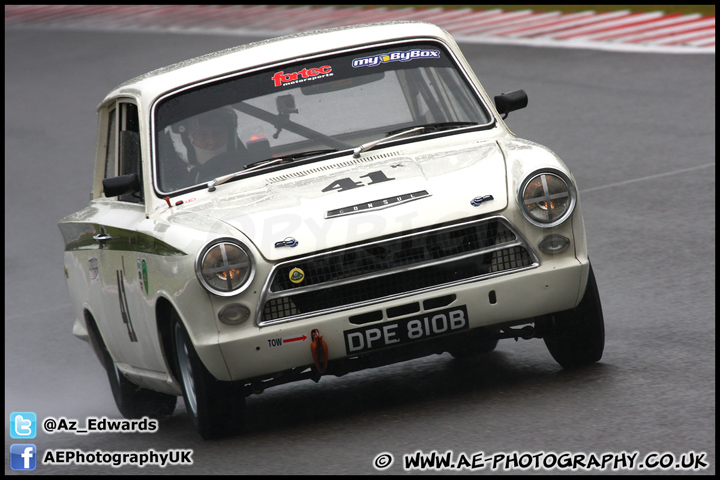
column 545, row 461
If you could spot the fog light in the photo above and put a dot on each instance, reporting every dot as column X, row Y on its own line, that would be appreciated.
column 234, row 314
column 554, row 244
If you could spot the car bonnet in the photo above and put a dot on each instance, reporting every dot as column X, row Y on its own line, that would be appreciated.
column 328, row 204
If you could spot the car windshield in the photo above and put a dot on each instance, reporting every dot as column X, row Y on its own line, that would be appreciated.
column 308, row 109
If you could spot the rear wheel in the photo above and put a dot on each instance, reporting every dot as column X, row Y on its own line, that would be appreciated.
column 216, row 408
column 131, row 400
column 576, row 337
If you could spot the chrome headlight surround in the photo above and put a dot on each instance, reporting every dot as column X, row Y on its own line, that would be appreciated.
column 547, row 197
column 224, row 267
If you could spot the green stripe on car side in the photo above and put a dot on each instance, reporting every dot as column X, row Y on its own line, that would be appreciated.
column 79, row 236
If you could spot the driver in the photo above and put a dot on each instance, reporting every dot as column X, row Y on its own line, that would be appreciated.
column 199, row 149
column 208, row 135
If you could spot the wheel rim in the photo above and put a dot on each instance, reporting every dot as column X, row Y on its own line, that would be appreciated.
column 185, row 367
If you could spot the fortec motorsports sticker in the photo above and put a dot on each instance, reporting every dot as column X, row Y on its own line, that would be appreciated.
column 304, row 75
column 375, row 60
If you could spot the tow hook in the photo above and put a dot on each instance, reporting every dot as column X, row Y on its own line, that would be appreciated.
column 319, row 351
column 526, row 333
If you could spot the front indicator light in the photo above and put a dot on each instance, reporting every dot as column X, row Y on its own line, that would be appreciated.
column 224, row 267
column 547, row 198
column 554, row 244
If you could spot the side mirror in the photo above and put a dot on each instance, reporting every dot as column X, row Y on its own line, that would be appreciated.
column 511, row 101
column 121, row 185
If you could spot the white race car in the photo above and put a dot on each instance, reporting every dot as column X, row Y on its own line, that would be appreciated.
column 315, row 205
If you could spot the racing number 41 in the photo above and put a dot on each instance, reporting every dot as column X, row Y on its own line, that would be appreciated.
column 348, row 183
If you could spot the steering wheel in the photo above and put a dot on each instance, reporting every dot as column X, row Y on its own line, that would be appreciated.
column 228, row 162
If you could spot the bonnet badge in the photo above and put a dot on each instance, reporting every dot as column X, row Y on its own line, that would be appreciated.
column 288, row 242
column 475, row 202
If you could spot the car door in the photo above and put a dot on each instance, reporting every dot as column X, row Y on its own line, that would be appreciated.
column 121, row 264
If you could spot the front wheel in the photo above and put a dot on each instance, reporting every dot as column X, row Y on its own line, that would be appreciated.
column 216, row 408
column 576, row 337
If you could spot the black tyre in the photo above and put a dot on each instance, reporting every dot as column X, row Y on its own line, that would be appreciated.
column 131, row 400
column 216, row 408
column 576, row 337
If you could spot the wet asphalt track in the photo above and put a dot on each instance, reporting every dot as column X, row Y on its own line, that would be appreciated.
column 638, row 131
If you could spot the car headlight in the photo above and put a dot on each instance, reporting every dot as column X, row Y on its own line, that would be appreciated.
column 224, row 267
column 547, row 198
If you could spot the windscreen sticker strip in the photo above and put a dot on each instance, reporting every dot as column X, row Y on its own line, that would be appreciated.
column 406, row 56
column 281, row 78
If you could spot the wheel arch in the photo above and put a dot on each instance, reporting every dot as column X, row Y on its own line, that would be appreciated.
column 164, row 311
column 93, row 336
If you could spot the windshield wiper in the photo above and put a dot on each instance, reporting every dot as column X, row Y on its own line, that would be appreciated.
column 367, row 146
column 289, row 158
column 436, row 127
column 430, row 127
column 266, row 163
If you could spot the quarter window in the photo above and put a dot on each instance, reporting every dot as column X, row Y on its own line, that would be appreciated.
column 111, row 151
column 123, row 118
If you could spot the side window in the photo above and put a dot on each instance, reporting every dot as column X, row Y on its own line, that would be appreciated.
column 129, row 122
column 123, row 151
column 111, row 152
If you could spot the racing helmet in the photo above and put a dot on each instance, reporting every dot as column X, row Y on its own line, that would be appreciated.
column 224, row 117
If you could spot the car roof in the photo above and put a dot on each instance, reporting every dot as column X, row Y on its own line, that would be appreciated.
column 148, row 87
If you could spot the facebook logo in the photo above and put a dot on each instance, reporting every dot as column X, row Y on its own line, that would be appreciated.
column 23, row 425
column 23, row 456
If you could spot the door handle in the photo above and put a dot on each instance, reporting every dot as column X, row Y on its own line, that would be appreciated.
column 101, row 237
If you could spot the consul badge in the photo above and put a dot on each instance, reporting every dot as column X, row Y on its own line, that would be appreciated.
column 377, row 204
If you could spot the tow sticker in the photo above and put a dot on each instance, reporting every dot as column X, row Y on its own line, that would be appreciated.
column 279, row 342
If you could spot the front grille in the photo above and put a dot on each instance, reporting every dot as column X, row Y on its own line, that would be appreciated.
column 401, row 265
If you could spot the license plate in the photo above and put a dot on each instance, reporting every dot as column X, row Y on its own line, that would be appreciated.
column 405, row 330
